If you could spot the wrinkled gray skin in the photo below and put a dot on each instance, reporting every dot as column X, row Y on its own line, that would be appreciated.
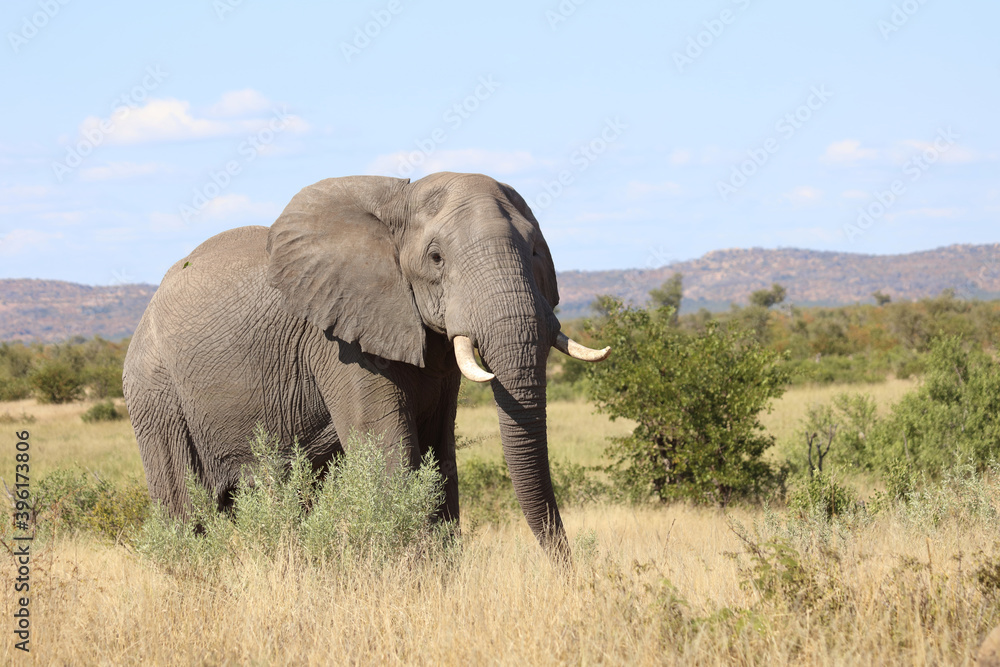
column 340, row 317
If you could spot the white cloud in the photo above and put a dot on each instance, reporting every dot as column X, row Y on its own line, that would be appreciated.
column 848, row 151
column 804, row 194
column 239, row 208
column 955, row 154
column 18, row 241
column 854, row 194
column 233, row 209
column 469, row 159
column 240, row 103
column 19, row 192
column 114, row 171
column 680, row 156
column 638, row 189
column 171, row 119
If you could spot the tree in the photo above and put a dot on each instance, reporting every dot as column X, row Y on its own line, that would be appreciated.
column 765, row 298
column 881, row 298
column 696, row 399
column 603, row 304
column 669, row 295
column 57, row 381
column 951, row 417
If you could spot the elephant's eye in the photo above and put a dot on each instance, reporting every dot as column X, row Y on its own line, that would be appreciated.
column 436, row 257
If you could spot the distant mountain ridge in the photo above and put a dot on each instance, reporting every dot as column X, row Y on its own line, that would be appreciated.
column 53, row 310
column 811, row 277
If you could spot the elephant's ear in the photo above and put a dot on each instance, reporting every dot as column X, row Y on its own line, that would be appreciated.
column 541, row 261
column 334, row 257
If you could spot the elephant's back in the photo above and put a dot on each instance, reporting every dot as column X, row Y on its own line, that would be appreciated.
column 220, row 336
column 233, row 255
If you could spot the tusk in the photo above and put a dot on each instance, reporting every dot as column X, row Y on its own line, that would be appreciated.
column 570, row 347
column 467, row 361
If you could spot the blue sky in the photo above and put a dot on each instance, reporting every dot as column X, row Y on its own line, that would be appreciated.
column 641, row 133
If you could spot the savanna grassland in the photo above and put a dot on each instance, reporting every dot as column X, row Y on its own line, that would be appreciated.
column 916, row 583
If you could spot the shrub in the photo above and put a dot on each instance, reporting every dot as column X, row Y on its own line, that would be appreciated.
column 486, row 493
column 74, row 500
column 104, row 411
column 950, row 418
column 16, row 363
column 822, row 496
column 57, row 382
column 105, row 381
column 696, row 398
column 361, row 511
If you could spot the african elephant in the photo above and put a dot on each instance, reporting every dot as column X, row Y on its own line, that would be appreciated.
column 356, row 310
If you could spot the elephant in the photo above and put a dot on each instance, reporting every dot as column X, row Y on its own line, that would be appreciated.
column 358, row 309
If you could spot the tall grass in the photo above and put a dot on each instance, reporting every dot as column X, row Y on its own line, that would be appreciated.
column 914, row 582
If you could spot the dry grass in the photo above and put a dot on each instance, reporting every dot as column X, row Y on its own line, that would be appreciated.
column 659, row 588
column 59, row 438
column 576, row 432
column 784, row 422
column 653, row 585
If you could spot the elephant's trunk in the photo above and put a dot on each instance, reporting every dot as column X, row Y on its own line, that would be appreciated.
column 515, row 330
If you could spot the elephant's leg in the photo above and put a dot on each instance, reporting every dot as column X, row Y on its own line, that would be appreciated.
column 437, row 433
column 363, row 399
column 165, row 444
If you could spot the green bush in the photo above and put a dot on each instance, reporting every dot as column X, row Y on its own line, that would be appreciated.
column 104, row 411
column 13, row 388
column 104, row 381
column 951, row 418
column 57, row 381
column 962, row 494
column 74, row 500
column 16, row 364
column 360, row 512
column 485, row 492
column 697, row 400
column 822, row 496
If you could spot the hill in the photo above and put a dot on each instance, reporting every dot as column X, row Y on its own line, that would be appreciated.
column 811, row 277
column 51, row 310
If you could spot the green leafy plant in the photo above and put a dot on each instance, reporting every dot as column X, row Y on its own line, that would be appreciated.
column 364, row 510
column 57, row 381
column 950, row 418
column 105, row 411
column 69, row 500
column 822, row 496
column 697, row 400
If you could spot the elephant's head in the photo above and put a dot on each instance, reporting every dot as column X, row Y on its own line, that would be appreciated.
column 383, row 262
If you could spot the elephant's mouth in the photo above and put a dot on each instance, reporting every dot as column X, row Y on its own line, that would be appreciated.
column 466, row 358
